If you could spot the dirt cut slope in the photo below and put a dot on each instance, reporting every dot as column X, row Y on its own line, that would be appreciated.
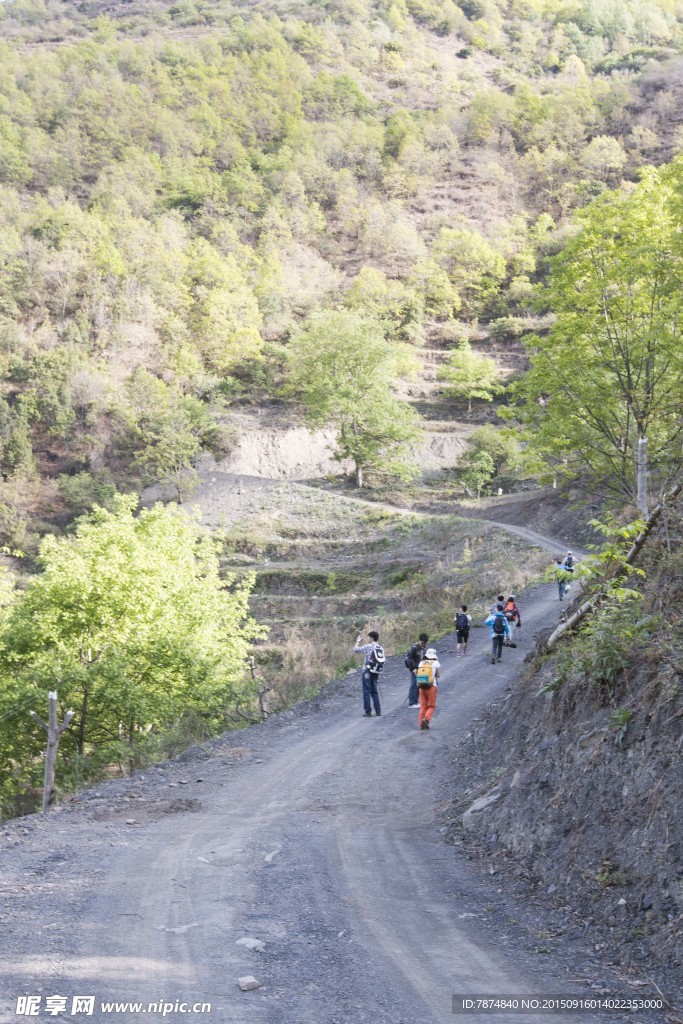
column 582, row 775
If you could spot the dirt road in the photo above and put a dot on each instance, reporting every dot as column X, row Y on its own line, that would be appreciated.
column 315, row 833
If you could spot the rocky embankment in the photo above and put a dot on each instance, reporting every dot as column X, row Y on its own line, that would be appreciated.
column 574, row 795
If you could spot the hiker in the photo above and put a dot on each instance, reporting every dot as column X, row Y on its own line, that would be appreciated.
column 512, row 612
column 500, row 630
column 428, row 675
column 462, row 621
column 513, row 615
column 412, row 660
column 569, row 562
column 374, row 663
column 561, row 577
column 499, row 600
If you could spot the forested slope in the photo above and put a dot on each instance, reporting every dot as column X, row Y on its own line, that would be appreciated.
column 183, row 184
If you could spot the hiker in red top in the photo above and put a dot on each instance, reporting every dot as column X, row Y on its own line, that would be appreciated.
column 513, row 616
column 512, row 612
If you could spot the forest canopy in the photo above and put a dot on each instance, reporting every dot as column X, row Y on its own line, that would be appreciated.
column 184, row 186
column 608, row 376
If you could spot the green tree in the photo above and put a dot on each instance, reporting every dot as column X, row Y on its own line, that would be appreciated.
column 226, row 317
column 432, row 281
column 478, row 468
column 490, row 114
column 604, row 158
column 170, row 430
column 16, row 452
column 606, row 383
column 498, row 444
column 469, row 375
column 83, row 490
column 131, row 623
column 170, row 447
column 475, row 268
column 399, row 131
column 346, row 372
column 400, row 306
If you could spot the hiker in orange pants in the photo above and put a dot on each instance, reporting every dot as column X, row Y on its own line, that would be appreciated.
column 428, row 675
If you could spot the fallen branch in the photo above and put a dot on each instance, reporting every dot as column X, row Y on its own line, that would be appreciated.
column 650, row 521
column 584, row 609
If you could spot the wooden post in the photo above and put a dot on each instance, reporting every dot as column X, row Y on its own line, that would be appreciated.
column 263, row 689
column 54, row 733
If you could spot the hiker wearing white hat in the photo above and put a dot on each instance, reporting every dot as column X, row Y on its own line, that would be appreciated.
column 427, row 678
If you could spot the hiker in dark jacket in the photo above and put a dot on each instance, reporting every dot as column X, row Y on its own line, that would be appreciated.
column 412, row 660
column 463, row 622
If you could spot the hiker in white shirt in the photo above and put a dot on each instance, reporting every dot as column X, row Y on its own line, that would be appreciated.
column 428, row 675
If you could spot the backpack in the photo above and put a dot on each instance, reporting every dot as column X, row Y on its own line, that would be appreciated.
column 375, row 663
column 569, row 563
column 461, row 621
column 510, row 611
column 426, row 675
column 412, row 658
column 499, row 624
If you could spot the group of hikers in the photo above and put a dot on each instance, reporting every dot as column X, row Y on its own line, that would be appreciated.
column 423, row 661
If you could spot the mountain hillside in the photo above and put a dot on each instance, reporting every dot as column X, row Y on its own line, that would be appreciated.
column 295, row 295
column 184, row 183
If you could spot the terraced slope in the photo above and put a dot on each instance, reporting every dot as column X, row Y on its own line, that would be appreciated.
column 330, row 565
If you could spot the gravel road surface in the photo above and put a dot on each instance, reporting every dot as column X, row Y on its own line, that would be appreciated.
column 315, row 833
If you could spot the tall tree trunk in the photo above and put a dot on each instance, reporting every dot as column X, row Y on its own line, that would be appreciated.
column 642, row 477
column 80, row 736
column 359, row 475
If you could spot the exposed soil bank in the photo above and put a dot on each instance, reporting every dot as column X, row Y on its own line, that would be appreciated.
column 284, row 450
column 579, row 810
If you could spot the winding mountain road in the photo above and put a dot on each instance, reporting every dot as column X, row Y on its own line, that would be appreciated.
column 315, row 833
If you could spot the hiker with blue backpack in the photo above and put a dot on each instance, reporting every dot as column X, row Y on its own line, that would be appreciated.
column 499, row 631
column 372, row 669
column 427, row 678
column 563, row 575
